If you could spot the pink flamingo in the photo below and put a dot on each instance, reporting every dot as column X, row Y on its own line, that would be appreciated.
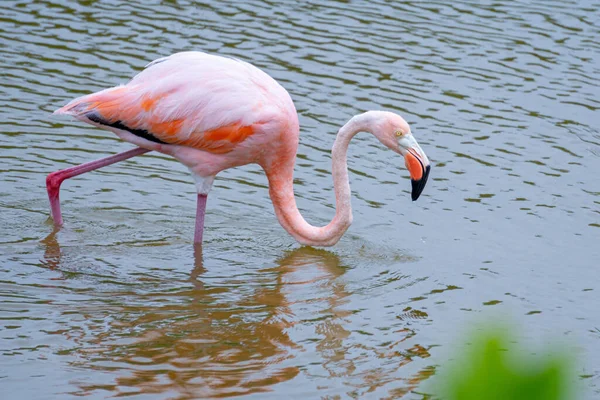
column 212, row 113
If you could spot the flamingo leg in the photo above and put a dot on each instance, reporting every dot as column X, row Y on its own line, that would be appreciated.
column 54, row 180
column 200, row 211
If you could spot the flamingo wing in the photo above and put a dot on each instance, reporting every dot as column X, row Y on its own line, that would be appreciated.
column 193, row 99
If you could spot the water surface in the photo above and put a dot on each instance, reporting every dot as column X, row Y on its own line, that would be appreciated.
column 503, row 97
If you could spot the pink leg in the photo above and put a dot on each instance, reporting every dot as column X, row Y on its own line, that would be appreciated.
column 200, row 218
column 54, row 179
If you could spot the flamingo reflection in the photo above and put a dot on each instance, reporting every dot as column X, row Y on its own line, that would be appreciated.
column 226, row 337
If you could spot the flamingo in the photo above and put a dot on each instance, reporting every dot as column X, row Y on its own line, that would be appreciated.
column 212, row 113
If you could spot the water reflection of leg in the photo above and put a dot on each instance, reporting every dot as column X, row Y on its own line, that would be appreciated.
column 214, row 334
column 226, row 335
column 52, row 251
column 198, row 269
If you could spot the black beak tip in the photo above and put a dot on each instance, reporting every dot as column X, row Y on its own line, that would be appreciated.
column 418, row 186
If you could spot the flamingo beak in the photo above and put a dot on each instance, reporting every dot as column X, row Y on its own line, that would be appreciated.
column 418, row 165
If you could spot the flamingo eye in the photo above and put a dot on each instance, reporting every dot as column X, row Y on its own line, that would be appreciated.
column 399, row 133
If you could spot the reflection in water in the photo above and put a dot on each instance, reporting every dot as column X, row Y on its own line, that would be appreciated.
column 205, row 340
column 52, row 251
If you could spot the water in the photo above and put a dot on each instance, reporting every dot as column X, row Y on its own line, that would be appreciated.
column 503, row 97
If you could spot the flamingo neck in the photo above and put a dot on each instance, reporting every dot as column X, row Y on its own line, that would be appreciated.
column 281, row 190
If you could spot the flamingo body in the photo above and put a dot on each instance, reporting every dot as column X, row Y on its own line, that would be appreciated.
column 209, row 112
column 212, row 113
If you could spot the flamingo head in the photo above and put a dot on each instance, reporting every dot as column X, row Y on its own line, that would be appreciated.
column 394, row 132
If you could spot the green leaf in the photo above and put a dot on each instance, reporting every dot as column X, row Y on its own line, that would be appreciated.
column 493, row 368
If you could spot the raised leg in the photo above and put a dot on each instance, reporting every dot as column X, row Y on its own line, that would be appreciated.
column 200, row 211
column 54, row 180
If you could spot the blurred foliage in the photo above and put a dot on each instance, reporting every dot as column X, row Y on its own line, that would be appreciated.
column 494, row 368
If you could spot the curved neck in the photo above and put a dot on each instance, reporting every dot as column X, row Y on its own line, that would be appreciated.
column 281, row 190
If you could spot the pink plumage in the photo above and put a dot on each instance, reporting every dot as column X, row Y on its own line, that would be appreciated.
column 212, row 113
